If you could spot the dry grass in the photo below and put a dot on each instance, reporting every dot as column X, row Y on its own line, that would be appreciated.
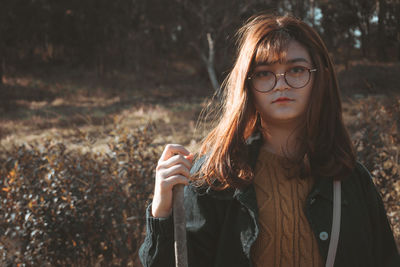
column 84, row 114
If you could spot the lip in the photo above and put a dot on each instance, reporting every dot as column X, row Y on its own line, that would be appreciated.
column 282, row 99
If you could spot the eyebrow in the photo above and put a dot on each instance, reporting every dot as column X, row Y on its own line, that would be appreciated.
column 290, row 61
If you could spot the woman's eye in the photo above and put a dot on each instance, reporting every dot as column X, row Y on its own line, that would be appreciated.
column 297, row 70
column 263, row 74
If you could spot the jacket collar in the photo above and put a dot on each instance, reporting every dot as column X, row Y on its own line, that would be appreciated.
column 247, row 195
column 323, row 187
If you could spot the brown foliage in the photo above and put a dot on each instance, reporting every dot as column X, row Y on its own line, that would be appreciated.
column 376, row 131
column 65, row 208
column 59, row 206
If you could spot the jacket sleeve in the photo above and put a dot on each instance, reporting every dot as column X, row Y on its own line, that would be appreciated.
column 202, row 221
column 158, row 246
column 385, row 249
column 204, row 216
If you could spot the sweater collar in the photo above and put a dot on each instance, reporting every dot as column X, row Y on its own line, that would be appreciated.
column 323, row 187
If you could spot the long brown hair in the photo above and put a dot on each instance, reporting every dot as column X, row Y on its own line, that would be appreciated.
column 325, row 144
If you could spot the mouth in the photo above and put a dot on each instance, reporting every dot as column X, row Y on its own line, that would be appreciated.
column 282, row 99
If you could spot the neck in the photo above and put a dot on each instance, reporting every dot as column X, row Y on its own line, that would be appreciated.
column 280, row 139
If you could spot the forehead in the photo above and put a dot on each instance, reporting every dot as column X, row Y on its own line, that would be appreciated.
column 277, row 52
column 296, row 50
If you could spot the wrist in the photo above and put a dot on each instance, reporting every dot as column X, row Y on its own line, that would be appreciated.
column 160, row 214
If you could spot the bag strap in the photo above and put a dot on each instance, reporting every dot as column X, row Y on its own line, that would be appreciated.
column 335, row 224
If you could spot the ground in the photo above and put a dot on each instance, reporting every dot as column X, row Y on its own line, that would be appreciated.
column 82, row 110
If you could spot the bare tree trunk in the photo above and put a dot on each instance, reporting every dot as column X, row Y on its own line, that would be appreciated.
column 210, row 64
column 367, row 39
column 299, row 8
column 2, row 64
column 381, row 46
column 312, row 7
column 398, row 46
column 3, row 99
column 2, row 69
column 347, row 54
column 363, row 42
column 398, row 39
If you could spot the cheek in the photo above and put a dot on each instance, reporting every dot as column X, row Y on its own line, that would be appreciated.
column 260, row 100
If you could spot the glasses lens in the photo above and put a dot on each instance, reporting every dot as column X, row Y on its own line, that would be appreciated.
column 297, row 77
column 263, row 81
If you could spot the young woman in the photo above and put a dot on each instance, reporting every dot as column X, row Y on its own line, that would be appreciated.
column 262, row 190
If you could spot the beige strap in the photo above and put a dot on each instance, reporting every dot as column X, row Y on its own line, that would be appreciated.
column 335, row 224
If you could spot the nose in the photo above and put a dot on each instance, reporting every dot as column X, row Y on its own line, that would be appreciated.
column 281, row 83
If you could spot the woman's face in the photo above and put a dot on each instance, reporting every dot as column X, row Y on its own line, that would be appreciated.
column 274, row 111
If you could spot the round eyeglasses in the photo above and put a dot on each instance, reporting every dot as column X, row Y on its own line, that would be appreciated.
column 296, row 77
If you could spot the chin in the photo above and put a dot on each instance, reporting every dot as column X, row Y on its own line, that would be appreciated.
column 283, row 118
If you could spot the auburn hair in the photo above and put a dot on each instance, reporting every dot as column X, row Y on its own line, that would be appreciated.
column 325, row 148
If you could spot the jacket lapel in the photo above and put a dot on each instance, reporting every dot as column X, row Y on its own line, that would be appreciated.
column 247, row 195
column 323, row 188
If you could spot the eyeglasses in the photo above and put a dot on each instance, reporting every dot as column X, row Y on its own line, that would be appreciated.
column 296, row 77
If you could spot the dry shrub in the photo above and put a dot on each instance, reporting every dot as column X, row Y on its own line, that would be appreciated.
column 370, row 78
column 68, row 208
column 377, row 134
column 65, row 208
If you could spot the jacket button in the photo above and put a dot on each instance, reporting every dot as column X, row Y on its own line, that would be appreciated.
column 312, row 201
column 323, row 236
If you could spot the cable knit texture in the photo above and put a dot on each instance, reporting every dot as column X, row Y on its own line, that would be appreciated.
column 286, row 238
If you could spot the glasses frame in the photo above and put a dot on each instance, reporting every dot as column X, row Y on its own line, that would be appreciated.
column 249, row 78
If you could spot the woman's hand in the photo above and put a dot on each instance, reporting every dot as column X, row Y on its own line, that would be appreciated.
column 173, row 168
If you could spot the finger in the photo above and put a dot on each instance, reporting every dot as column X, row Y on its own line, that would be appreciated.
column 177, row 179
column 175, row 160
column 176, row 170
column 172, row 149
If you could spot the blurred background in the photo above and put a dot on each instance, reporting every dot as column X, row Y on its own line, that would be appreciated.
column 91, row 91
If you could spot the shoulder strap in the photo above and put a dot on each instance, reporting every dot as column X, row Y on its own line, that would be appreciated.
column 335, row 224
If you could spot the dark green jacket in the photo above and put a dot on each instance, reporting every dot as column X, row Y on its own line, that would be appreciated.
column 222, row 226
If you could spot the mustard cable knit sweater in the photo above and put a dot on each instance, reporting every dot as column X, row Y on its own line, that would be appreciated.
column 285, row 238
